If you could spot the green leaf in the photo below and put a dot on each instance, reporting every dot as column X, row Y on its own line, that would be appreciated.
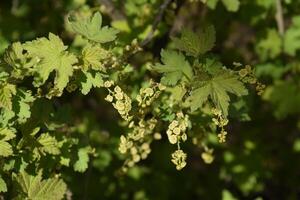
column 49, row 144
column 34, row 188
column 6, row 116
column 19, row 62
column 231, row 5
column 3, row 75
column 285, row 97
column 217, row 88
column 292, row 37
column 6, row 93
column 5, row 149
column 83, row 158
column 174, row 67
column 196, row 44
column 53, row 56
column 90, row 28
column 227, row 195
column 89, row 80
column 177, row 92
column 211, row 3
column 198, row 97
column 3, row 187
column 270, row 46
column 7, row 134
column 21, row 104
column 14, row 53
column 92, row 56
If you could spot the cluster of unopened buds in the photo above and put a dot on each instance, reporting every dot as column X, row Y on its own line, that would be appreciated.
column 179, row 159
column 147, row 95
column 133, row 47
column 71, row 87
column 221, row 122
column 247, row 76
column 177, row 128
column 136, row 143
column 121, row 102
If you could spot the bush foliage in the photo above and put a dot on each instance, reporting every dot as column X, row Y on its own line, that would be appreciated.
column 149, row 99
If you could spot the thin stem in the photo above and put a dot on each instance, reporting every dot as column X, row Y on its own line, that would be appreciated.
column 157, row 20
column 279, row 18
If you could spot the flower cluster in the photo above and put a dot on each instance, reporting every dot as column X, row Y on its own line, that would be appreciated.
column 207, row 155
column 179, row 159
column 125, row 144
column 121, row 102
column 137, row 153
column 177, row 128
column 221, row 122
column 177, row 132
column 136, row 143
column 147, row 95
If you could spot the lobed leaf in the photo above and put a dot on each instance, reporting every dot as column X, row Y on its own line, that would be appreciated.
column 34, row 188
column 217, row 88
column 174, row 67
column 196, row 44
column 53, row 57
column 91, row 29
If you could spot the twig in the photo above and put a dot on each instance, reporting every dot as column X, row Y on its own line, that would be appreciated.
column 15, row 5
column 279, row 18
column 156, row 22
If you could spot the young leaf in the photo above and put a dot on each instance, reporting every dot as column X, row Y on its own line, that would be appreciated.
column 21, row 104
column 6, row 116
column 7, row 134
column 49, row 144
column 6, row 93
column 174, row 67
column 5, row 149
column 33, row 187
column 90, row 28
column 83, row 158
column 196, row 44
column 217, row 88
column 92, row 56
column 89, row 80
column 17, row 59
column 53, row 56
